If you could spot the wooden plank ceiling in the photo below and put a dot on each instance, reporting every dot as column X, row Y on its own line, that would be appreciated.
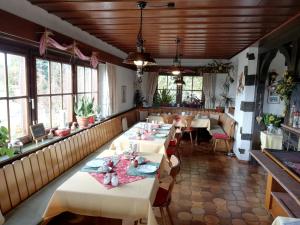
column 207, row 28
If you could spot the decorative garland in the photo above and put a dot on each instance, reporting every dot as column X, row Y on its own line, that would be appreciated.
column 47, row 41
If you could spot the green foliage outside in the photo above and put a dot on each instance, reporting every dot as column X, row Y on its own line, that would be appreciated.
column 84, row 107
column 4, row 150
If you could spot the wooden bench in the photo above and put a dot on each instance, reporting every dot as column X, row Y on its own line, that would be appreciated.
column 27, row 184
column 223, row 131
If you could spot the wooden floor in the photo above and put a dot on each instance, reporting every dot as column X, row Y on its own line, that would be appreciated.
column 211, row 189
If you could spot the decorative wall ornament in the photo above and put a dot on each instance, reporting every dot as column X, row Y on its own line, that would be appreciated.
column 241, row 84
column 47, row 41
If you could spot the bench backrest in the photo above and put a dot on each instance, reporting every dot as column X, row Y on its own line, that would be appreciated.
column 24, row 177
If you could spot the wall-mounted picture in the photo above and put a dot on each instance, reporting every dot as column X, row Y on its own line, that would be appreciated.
column 123, row 91
column 273, row 97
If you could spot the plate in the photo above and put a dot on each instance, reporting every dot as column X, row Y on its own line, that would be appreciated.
column 160, row 135
column 95, row 163
column 146, row 169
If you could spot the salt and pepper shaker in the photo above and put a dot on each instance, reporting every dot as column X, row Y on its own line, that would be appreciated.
column 114, row 180
column 107, row 178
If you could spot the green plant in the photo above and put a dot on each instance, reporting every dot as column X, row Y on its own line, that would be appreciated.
column 4, row 150
column 84, row 107
column 285, row 88
column 269, row 118
column 226, row 101
column 165, row 97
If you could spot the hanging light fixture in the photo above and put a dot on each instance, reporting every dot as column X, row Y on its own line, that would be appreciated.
column 140, row 58
column 176, row 60
column 179, row 81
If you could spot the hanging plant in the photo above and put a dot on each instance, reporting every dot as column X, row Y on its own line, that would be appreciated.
column 285, row 88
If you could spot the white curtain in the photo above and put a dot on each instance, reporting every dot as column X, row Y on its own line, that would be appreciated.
column 112, row 86
column 209, row 86
column 152, row 84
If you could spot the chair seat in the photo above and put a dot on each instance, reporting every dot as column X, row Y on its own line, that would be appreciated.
column 220, row 136
column 173, row 142
column 161, row 197
column 171, row 151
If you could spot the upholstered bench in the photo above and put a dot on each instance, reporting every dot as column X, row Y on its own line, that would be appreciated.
column 222, row 129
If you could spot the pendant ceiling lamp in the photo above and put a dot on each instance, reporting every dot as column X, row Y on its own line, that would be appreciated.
column 179, row 81
column 176, row 60
column 140, row 58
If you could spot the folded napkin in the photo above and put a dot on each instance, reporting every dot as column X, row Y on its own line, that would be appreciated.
column 89, row 169
column 132, row 171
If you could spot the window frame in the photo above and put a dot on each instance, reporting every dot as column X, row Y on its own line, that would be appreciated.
column 76, row 93
column 17, row 52
column 179, row 90
column 36, row 95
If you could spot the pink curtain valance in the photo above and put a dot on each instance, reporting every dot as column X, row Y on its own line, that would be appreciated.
column 47, row 41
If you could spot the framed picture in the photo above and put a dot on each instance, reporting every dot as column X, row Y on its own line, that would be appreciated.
column 123, row 92
column 273, row 97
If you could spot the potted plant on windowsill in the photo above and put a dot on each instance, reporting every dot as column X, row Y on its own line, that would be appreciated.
column 165, row 97
column 84, row 110
column 5, row 152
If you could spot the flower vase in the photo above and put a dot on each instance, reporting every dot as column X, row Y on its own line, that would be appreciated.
column 271, row 129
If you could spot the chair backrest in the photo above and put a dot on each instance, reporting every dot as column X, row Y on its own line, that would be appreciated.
column 175, row 166
column 124, row 124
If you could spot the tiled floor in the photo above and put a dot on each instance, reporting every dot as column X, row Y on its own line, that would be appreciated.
column 212, row 189
column 216, row 189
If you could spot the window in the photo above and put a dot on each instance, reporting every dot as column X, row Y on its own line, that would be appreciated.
column 192, row 87
column 54, row 92
column 167, row 82
column 13, row 94
column 87, row 83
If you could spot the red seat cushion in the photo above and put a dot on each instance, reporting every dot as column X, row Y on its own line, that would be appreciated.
column 171, row 151
column 161, row 197
column 173, row 142
column 220, row 136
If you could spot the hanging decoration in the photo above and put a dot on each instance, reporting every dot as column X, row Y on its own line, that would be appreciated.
column 47, row 41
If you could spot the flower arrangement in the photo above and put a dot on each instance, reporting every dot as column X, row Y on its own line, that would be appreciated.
column 285, row 88
column 269, row 118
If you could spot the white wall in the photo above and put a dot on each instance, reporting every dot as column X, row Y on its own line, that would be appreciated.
column 278, row 66
column 244, row 119
column 125, row 77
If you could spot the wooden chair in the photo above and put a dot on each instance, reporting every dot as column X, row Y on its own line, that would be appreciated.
column 163, row 196
column 187, row 128
column 124, row 124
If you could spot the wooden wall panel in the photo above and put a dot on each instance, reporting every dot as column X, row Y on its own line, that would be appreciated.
column 12, row 185
column 35, row 171
column 43, row 168
column 20, row 178
column 5, row 203
column 28, row 175
column 48, row 162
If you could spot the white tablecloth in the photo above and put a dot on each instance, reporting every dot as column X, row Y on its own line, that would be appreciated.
column 286, row 221
column 272, row 141
column 154, row 145
column 201, row 123
column 83, row 194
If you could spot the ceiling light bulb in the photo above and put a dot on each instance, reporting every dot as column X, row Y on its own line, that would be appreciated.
column 140, row 63
column 176, row 72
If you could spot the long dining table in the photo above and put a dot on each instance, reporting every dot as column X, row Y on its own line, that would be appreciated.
column 83, row 194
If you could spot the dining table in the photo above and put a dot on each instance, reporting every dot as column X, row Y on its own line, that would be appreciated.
column 147, row 137
column 84, row 194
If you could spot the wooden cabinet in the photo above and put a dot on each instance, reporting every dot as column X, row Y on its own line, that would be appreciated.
column 282, row 189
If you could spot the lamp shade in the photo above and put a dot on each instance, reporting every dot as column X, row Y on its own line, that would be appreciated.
column 139, row 59
column 179, row 81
